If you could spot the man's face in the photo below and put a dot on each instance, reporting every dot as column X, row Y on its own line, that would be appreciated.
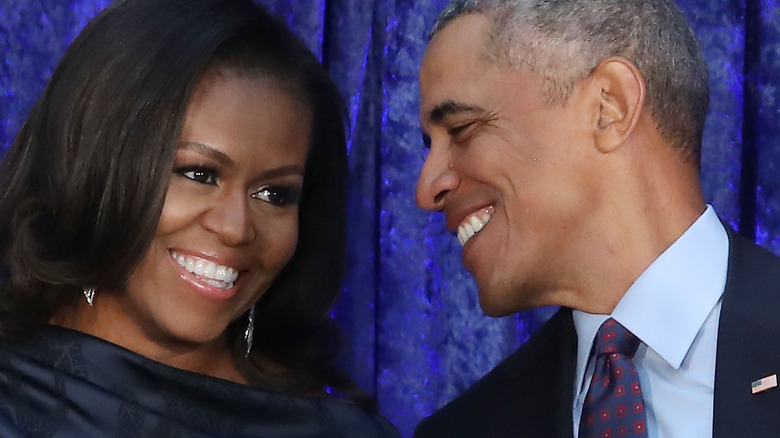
column 512, row 172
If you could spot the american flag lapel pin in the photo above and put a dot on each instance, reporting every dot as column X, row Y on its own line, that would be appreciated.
column 762, row 385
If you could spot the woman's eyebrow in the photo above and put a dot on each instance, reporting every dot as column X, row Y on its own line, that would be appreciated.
column 225, row 160
column 292, row 169
column 208, row 151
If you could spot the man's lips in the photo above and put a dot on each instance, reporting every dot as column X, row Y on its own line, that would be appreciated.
column 474, row 223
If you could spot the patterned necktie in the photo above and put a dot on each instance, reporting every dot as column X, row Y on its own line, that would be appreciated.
column 614, row 406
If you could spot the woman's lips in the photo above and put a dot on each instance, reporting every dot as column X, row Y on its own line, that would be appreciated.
column 209, row 278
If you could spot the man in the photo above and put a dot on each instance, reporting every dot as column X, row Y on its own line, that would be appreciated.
column 564, row 151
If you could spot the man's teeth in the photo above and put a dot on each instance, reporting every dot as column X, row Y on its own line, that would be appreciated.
column 473, row 224
column 211, row 273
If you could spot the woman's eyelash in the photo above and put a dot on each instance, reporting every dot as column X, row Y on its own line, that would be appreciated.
column 199, row 174
column 276, row 195
column 279, row 196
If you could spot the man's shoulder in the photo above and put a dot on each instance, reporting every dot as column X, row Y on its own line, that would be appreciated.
column 742, row 249
column 752, row 282
column 523, row 391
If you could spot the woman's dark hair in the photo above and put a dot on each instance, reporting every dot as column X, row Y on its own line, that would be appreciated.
column 83, row 184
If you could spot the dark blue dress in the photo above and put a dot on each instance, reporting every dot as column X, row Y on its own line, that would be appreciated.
column 65, row 384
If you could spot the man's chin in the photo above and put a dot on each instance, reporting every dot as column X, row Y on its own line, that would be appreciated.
column 497, row 303
column 494, row 306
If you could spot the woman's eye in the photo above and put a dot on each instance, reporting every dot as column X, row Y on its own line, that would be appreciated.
column 200, row 175
column 278, row 196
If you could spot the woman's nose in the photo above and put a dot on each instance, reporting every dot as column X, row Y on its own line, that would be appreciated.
column 230, row 220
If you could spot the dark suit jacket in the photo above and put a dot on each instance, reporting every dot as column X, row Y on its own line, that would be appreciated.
column 529, row 394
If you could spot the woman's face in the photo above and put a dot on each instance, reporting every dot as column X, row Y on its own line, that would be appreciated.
column 230, row 219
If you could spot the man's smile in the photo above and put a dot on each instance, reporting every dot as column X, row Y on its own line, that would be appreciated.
column 474, row 223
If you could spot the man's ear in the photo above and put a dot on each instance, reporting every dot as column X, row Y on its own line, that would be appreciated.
column 621, row 100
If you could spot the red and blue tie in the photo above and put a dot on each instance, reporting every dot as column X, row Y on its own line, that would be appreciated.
column 614, row 406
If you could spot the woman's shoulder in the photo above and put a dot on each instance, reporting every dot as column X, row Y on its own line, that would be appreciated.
column 85, row 386
column 339, row 418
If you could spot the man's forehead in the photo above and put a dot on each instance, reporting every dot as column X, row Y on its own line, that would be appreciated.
column 468, row 31
column 452, row 61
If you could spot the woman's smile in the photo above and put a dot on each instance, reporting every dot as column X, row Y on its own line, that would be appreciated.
column 213, row 280
column 217, row 275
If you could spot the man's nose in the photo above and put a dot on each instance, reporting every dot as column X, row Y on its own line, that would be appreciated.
column 437, row 178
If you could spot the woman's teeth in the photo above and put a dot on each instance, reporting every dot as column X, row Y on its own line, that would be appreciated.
column 211, row 273
column 473, row 224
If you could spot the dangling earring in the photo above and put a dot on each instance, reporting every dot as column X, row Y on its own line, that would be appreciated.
column 250, row 329
column 89, row 294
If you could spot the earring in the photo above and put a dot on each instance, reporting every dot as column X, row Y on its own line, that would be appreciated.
column 250, row 329
column 89, row 294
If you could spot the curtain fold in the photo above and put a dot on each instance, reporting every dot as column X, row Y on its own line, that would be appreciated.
column 414, row 333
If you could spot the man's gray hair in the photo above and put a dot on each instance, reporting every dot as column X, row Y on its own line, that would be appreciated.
column 562, row 41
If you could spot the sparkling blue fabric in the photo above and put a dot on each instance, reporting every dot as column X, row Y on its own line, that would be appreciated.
column 614, row 405
column 415, row 333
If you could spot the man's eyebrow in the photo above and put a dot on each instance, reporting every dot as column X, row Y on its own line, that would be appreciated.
column 448, row 108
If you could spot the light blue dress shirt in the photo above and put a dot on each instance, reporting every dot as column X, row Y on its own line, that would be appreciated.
column 674, row 309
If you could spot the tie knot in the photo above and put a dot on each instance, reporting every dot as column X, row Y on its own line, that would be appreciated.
column 614, row 338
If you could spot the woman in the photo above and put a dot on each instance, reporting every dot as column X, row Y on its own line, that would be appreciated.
column 172, row 234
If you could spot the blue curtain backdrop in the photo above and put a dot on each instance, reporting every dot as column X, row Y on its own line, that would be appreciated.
column 416, row 336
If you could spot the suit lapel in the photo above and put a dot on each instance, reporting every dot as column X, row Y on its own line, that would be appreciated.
column 527, row 395
column 748, row 343
column 545, row 381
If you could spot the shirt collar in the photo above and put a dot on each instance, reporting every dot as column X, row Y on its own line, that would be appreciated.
column 668, row 304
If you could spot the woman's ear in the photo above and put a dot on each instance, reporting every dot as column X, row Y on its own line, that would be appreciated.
column 621, row 101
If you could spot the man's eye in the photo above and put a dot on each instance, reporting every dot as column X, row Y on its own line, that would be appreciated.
column 200, row 175
column 426, row 141
column 460, row 129
column 278, row 196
